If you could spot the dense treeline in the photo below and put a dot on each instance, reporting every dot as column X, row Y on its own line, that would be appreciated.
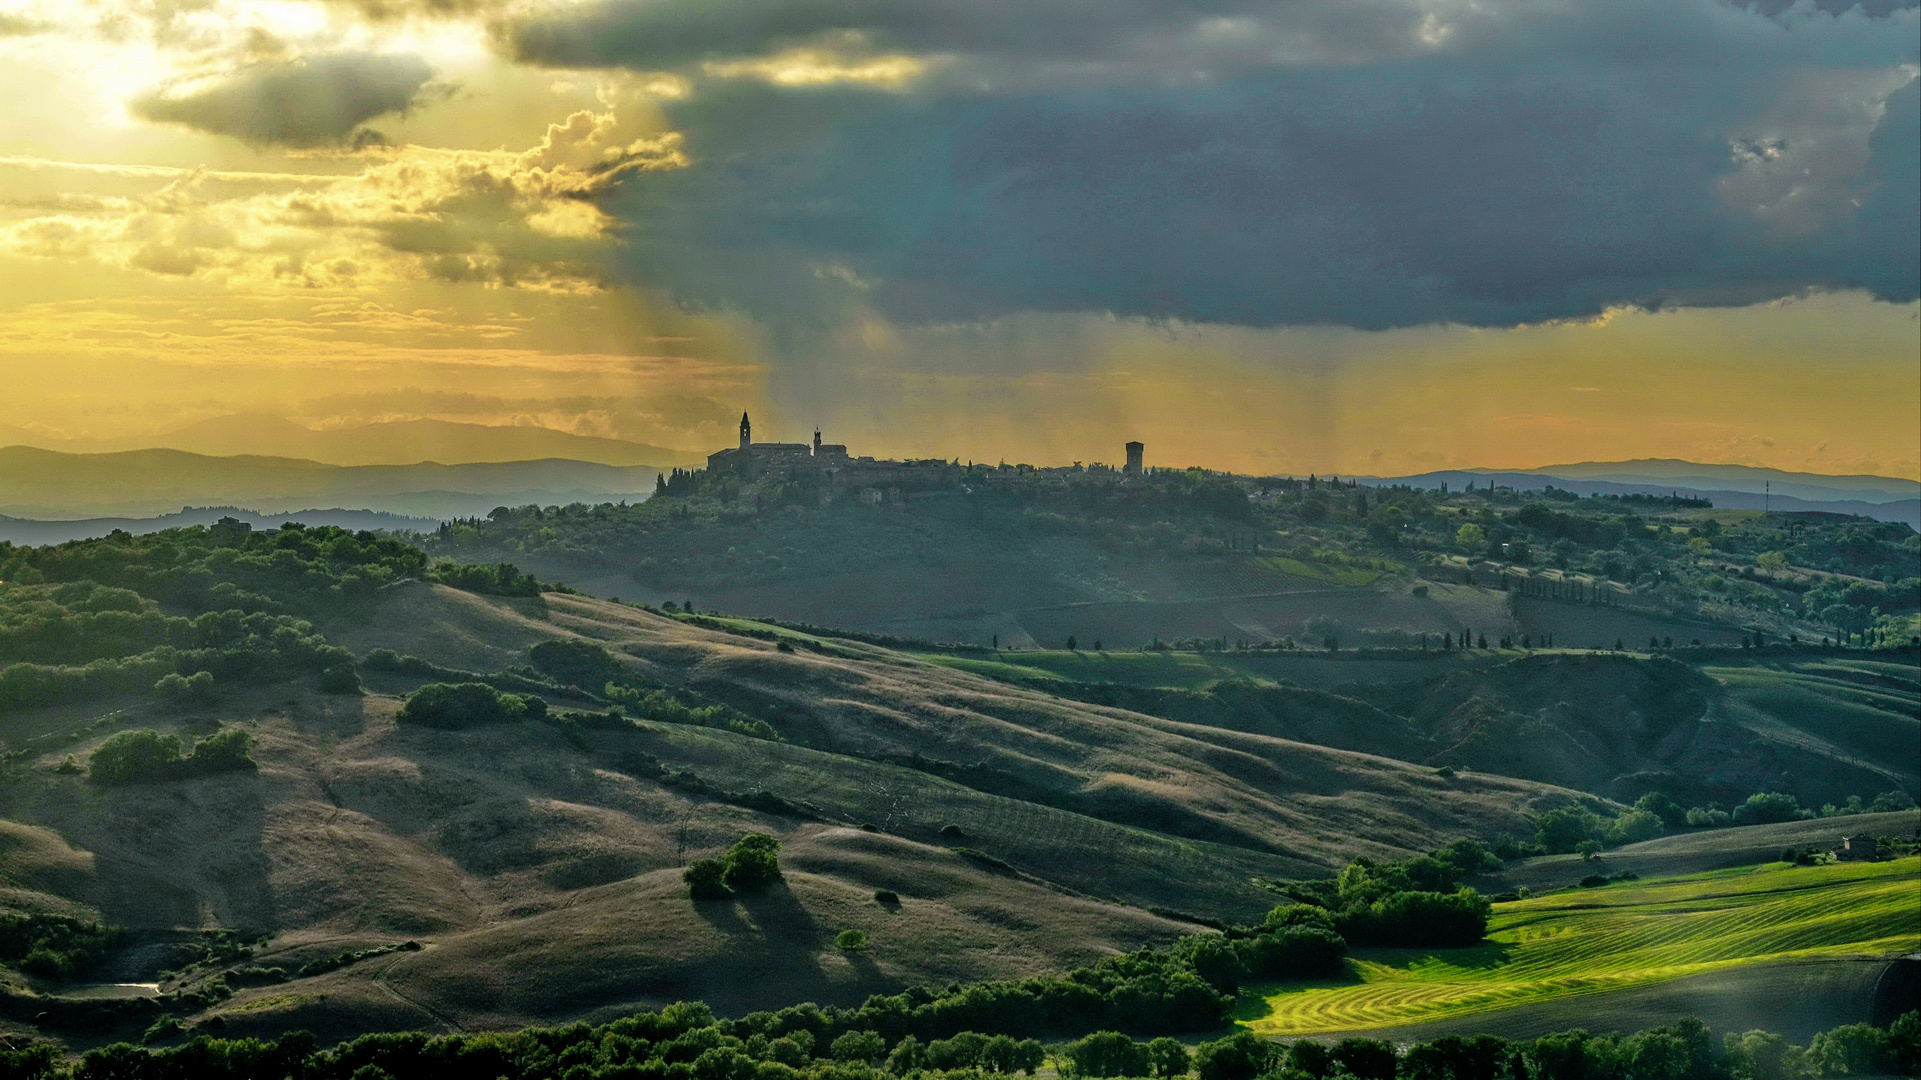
column 154, row 614
column 1572, row 829
column 686, row 1042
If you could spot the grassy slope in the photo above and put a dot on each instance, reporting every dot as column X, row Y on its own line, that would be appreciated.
column 543, row 873
column 1825, row 728
column 1621, row 937
column 1857, row 720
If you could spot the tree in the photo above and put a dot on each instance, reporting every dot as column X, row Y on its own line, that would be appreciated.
column 1241, row 1056
column 752, row 864
column 1107, row 1053
column 1457, row 1057
column 1365, row 1059
column 1852, row 1050
column 1588, row 850
column 1771, row 561
column 1672, row 814
column 857, row 1045
column 1890, row 801
column 1560, row 831
column 852, row 941
column 1767, row 808
column 1167, row 1057
column 1070, row 643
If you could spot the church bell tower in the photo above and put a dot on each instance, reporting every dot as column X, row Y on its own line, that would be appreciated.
column 746, row 433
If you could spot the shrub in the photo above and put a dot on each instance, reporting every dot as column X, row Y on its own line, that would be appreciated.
column 886, row 896
column 184, row 692
column 132, row 757
column 452, row 706
column 577, row 663
column 706, row 879
column 224, row 751
column 851, row 941
column 340, row 679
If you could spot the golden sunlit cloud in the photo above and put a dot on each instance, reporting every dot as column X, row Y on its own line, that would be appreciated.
column 502, row 218
column 820, row 67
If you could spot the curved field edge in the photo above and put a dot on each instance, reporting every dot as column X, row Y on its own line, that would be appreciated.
column 1621, row 937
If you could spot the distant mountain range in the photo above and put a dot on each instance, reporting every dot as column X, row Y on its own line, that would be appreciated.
column 1740, row 487
column 34, row 533
column 1658, row 471
column 385, row 443
column 43, row 484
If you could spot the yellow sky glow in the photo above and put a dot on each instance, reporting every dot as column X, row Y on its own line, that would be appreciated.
column 152, row 276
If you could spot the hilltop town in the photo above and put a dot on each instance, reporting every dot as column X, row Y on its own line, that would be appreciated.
column 830, row 472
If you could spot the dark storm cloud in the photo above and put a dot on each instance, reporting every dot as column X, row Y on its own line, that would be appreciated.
column 1362, row 162
column 308, row 102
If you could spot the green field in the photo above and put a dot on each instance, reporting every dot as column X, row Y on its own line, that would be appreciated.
column 1177, row 670
column 1331, row 573
column 1592, row 941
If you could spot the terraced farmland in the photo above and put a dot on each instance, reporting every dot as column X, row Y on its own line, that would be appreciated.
column 1620, row 937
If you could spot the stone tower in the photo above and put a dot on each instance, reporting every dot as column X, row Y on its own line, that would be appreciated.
column 746, row 433
column 1134, row 450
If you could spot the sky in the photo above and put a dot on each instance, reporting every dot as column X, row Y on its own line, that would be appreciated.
column 1274, row 236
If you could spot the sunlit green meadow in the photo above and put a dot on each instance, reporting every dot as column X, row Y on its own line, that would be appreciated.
column 1621, row 936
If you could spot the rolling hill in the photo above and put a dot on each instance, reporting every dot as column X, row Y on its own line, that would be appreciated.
column 539, row 864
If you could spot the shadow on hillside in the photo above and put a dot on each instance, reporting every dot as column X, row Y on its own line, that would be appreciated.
column 341, row 716
column 774, row 912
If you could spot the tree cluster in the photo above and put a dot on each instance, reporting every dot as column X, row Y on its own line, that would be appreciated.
column 151, row 614
column 147, row 756
column 750, row 865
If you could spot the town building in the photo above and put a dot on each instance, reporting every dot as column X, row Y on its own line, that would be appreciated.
column 829, row 466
